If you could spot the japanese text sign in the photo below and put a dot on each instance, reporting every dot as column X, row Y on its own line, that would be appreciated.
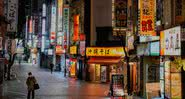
column 73, row 50
column 147, row 17
column 170, row 41
column 12, row 15
column 76, row 27
column 105, row 51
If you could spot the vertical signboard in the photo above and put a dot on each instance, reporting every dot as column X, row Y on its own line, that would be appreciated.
column 60, row 22
column 147, row 17
column 76, row 27
column 53, row 23
column 119, row 15
column 12, row 15
column 43, row 27
column 60, row 10
column 66, row 23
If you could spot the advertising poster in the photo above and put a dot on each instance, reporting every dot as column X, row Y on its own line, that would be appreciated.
column 147, row 17
column 103, row 73
column 171, row 41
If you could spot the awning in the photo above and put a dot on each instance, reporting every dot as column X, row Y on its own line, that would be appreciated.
column 104, row 60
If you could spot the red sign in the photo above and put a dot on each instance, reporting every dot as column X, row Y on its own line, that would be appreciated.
column 82, row 37
column 76, row 27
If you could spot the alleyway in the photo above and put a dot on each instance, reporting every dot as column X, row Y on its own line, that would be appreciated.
column 52, row 86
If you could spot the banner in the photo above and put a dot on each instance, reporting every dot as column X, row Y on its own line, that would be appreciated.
column 147, row 17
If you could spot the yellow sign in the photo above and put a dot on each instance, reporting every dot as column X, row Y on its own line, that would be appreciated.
column 105, row 51
column 147, row 17
column 73, row 50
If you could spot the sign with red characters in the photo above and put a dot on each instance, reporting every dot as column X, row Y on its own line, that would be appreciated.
column 147, row 17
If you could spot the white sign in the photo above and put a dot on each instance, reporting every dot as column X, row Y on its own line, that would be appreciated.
column 172, row 41
column 154, row 48
column 12, row 15
column 148, row 38
column 1, row 43
column 44, row 10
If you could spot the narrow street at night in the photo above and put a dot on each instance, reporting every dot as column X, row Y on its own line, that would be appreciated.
column 52, row 86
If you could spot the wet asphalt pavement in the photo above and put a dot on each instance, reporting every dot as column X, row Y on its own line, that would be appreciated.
column 52, row 86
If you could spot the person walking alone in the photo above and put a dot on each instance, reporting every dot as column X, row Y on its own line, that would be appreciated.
column 30, row 84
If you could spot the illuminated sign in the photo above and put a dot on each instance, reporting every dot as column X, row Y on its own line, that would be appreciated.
column 76, row 27
column 171, row 41
column 147, row 17
column 105, row 51
column 73, row 50
column 154, row 48
column 148, row 38
column 66, row 24
column 53, row 23
column 60, row 10
column 59, row 50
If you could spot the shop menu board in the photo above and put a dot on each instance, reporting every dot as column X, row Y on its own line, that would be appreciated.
column 172, row 81
column 117, row 84
column 103, row 73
